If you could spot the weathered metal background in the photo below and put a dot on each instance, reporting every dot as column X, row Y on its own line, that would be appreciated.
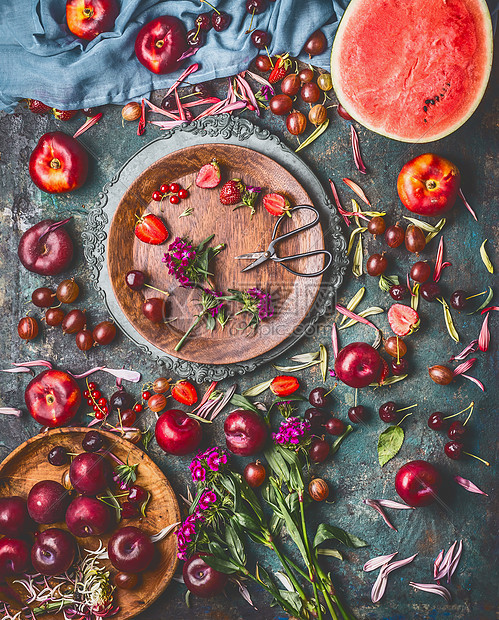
column 354, row 473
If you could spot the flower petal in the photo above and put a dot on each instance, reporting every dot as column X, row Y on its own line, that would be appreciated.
column 399, row 564
column 471, row 348
column 358, row 190
column 379, row 587
column 375, row 563
column 437, row 563
column 479, row 383
column 433, row 589
column 484, row 337
column 388, row 503
column 464, row 367
column 374, row 504
column 354, row 316
column 455, row 561
column 444, row 567
column 357, row 156
column 334, row 338
column 469, row 486
column 461, row 195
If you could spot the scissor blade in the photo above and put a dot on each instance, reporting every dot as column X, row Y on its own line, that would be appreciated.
column 261, row 259
column 252, row 255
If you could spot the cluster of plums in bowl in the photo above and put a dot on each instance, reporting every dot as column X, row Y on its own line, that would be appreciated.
column 40, row 532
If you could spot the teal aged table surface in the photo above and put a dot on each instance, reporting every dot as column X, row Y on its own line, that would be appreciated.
column 353, row 473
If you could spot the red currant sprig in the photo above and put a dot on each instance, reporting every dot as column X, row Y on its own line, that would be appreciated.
column 173, row 190
column 95, row 400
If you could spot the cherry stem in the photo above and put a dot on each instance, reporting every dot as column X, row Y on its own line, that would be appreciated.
column 406, row 416
column 477, row 458
column 472, row 404
column 469, row 415
column 329, row 391
column 157, row 289
column 398, row 351
column 206, row 2
column 477, row 295
column 268, row 54
column 355, row 398
column 251, row 22
column 406, row 408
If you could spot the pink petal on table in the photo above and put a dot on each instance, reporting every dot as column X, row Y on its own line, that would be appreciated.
column 34, row 363
column 90, row 122
column 10, row 411
column 357, row 156
column 249, row 93
column 19, row 369
column 464, row 367
column 375, row 563
column 444, row 567
column 206, row 395
column 261, row 80
column 469, row 486
column 190, row 52
column 155, row 108
column 437, row 563
column 476, row 381
column 471, row 348
column 358, row 190
column 433, row 589
column 398, row 564
column 352, row 315
column 388, row 503
column 489, row 308
column 181, row 111
column 127, row 375
column 334, row 339
column 438, row 262
column 181, row 78
column 379, row 586
column 374, row 504
column 341, row 210
column 166, row 124
column 455, row 561
column 466, row 204
column 484, row 337
column 201, row 101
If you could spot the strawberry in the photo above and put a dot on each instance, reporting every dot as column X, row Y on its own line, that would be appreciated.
column 276, row 204
column 280, row 69
column 209, row 175
column 37, row 107
column 231, row 192
column 284, row 385
column 403, row 319
column 150, row 229
column 64, row 115
column 184, row 392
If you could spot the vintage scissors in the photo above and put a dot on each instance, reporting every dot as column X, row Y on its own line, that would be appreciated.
column 271, row 254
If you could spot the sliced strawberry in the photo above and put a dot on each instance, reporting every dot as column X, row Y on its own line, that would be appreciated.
column 37, row 107
column 276, row 204
column 403, row 319
column 209, row 175
column 150, row 229
column 231, row 192
column 184, row 392
column 280, row 69
column 284, row 385
column 64, row 115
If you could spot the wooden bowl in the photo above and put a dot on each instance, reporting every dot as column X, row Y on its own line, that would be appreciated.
column 28, row 464
column 293, row 296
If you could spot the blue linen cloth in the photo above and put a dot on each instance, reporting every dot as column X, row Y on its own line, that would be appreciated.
column 41, row 59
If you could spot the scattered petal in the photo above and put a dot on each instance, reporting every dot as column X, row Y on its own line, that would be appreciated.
column 483, row 311
column 164, row 532
column 357, row 156
column 469, row 486
column 261, row 80
column 464, row 367
column 379, row 587
column 388, row 503
column 354, row 302
column 10, row 411
column 437, row 563
column 127, row 375
column 356, row 317
column 485, row 258
column 142, row 121
column 90, row 122
column 19, row 369
column 476, row 381
column 439, row 265
column 206, row 395
column 398, row 564
column 244, row 592
column 467, row 205
column 248, row 92
column 374, row 504
column 484, row 337
column 334, row 338
column 471, row 348
column 358, row 190
column 341, row 210
column 161, row 111
column 375, row 563
column 444, row 567
column 432, row 589
column 34, row 363
column 181, row 78
column 455, row 561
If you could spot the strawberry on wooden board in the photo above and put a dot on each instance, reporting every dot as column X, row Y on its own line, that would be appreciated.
column 231, row 192
column 37, row 107
column 284, row 385
column 403, row 319
column 280, row 69
column 184, row 392
column 150, row 229
column 209, row 175
column 276, row 204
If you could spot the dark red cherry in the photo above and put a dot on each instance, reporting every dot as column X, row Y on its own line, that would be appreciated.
column 399, row 291
column 458, row 300
column 388, row 412
column 357, row 414
column 334, row 426
column 319, row 450
column 399, row 368
column 220, row 21
column 436, row 421
column 429, row 291
column 135, row 279
column 261, row 39
column 319, row 398
column 457, row 431
column 256, row 6
column 203, row 21
column 454, row 449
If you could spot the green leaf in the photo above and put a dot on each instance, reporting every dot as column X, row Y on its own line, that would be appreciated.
column 415, row 297
column 305, row 358
column 323, row 361
column 232, row 486
column 257, row 389
column 389, row 443
column 277, row 464
column 235, row 544
column 295, row 368
column 357, row 259
column 275, row 525
column 354, row 232
column 448, row 321
column 314, row 135
column 246, row 521
column 438, row 227
column 333, row 553
column 485, row 258
column 249, row 496
column 389, row 381
column 223, row 566
column 485, row 303
column 243, row 403
column 336, row 443
column 331, row 532
column 262, row 575
column 421, row 224
column 386, row 282
column 354, row 302
column 291, row 526
column 365, row 313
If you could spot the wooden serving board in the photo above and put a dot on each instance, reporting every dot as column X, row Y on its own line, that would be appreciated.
column 28, row 464
column 293, row 296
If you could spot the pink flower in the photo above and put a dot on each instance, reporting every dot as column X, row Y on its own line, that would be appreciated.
column 206, row 499
column 199, row 474
column 215, row 459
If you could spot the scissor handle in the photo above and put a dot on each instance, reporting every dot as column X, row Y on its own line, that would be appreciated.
column 326, row 253
column 291, row 233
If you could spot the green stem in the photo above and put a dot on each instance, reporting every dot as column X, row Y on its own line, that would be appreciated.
column 181, row 342
column 311, row 567
column 289, row 572
column 285, row 605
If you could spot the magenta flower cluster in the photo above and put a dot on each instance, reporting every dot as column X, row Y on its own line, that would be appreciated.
column 180, row 256
column 292, row 432
column 213, row 310
column 190, row 528
column 264, row 303
column 211, row 460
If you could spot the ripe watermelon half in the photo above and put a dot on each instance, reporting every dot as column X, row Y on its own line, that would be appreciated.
column 412, row 70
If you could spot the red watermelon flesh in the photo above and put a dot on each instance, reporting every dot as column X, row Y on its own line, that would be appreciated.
column 413, row 70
